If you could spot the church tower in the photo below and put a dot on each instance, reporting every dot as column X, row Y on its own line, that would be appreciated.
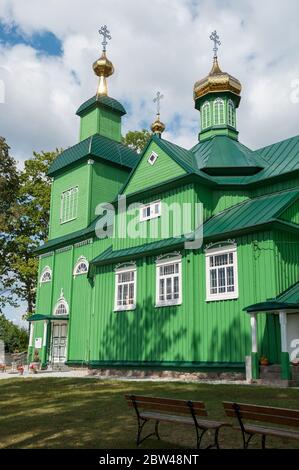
column 101, row 114
column 217, row 96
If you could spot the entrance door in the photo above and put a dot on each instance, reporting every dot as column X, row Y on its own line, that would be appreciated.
column 59, row 338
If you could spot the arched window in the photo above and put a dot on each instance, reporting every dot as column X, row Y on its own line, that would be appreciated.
column 81, row 267
column 218, row 112
column 231, row 116
column 46, row 275
column 205, row 115
column 61, row 308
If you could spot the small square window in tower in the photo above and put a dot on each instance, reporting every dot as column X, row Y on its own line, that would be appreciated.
column 152, row 158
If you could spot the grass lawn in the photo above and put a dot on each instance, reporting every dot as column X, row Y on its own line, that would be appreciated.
column 91, row 413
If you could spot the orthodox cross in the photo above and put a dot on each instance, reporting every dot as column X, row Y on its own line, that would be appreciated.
column 104, row 31
column 215, row 38
column 157, row 100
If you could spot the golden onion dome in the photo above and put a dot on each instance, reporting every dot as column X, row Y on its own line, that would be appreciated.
column 157, row 126
column 216, row 81
column 103, row 67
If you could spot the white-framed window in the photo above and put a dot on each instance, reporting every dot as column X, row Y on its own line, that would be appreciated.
column 69, row 205
column 169, row 281
column 205, row 115
column 218, row 111
column 150, row 211
column 81, row 267
column 46, row 275
column 231, row 115
column 152, row 158
column 125, row 288
column 221, row 273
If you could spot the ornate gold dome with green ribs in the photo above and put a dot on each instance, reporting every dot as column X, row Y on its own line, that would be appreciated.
column 217, row 81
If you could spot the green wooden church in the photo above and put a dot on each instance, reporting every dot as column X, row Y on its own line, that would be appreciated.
column 142, row 298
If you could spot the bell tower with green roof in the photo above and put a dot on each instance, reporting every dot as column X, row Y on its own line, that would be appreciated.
column 101, row 114
column 217, row 96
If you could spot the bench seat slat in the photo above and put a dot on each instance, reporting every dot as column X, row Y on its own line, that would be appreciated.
column 206, row 424
column 264, row 409
column 166, row 401
column 270, row 431
column 168, row 408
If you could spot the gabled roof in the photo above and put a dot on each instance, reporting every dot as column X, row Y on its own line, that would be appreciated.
column 251, row 213
column 101, row 101
column 222, row 155
column 287, row 300
column 96, row 146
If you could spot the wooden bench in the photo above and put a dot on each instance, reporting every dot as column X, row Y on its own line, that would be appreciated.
column 267, row 414
column 173, row 411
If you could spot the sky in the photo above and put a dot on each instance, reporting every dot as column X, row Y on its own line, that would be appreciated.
column 47, row 50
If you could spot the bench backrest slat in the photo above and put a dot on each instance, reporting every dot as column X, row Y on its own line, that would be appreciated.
column 268, row 414
column 168, row 405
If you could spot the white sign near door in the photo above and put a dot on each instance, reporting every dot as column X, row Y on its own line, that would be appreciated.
column 38, row 343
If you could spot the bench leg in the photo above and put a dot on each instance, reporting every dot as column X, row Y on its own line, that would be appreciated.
column 139, row 431
column 246, row 441
column 199, row 436
column 263, row 441
column 157, row 430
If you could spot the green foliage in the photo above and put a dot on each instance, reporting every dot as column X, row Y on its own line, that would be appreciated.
column 26, row 225
column 15, row 338
column 136, row 140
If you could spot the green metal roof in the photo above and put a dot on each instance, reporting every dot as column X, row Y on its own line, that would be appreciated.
column 281, row 157
column 136, row 251
column 222, row 155
column 40, row 317
column 250, row 213
column 104, row 101
column 96, row 146
column 287, row 300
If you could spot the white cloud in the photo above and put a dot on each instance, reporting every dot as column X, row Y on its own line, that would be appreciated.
column 162, row 44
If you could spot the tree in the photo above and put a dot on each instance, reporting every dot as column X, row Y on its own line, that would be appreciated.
column 136, row 140
column 15, row 338
column 9, row 187
column 27, row 226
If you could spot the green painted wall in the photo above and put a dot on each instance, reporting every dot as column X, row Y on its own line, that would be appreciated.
column 151, row 230
column 291, row 214
column 77, row 176
column 223, row 199
column 147, row 175
column 101, row 121
column 195, row 331
column 106, row 183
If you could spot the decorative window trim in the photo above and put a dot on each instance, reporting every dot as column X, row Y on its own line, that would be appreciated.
column 220, row 250
column 231, row 116
column 63, row 249
column 80, row 260
column 164, row 262
column 70, row 201
column 206, row 115
column 154, row 211
column 46, row 255
column 84, row 242
column 152, row 158
column 63, row 302
column 129, row 267
column 45, row 271
column 219, row 112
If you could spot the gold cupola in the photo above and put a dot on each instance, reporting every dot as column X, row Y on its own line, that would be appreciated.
column 217, row 97
column 217, row 81
column 103, row 67
column 157, row 126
